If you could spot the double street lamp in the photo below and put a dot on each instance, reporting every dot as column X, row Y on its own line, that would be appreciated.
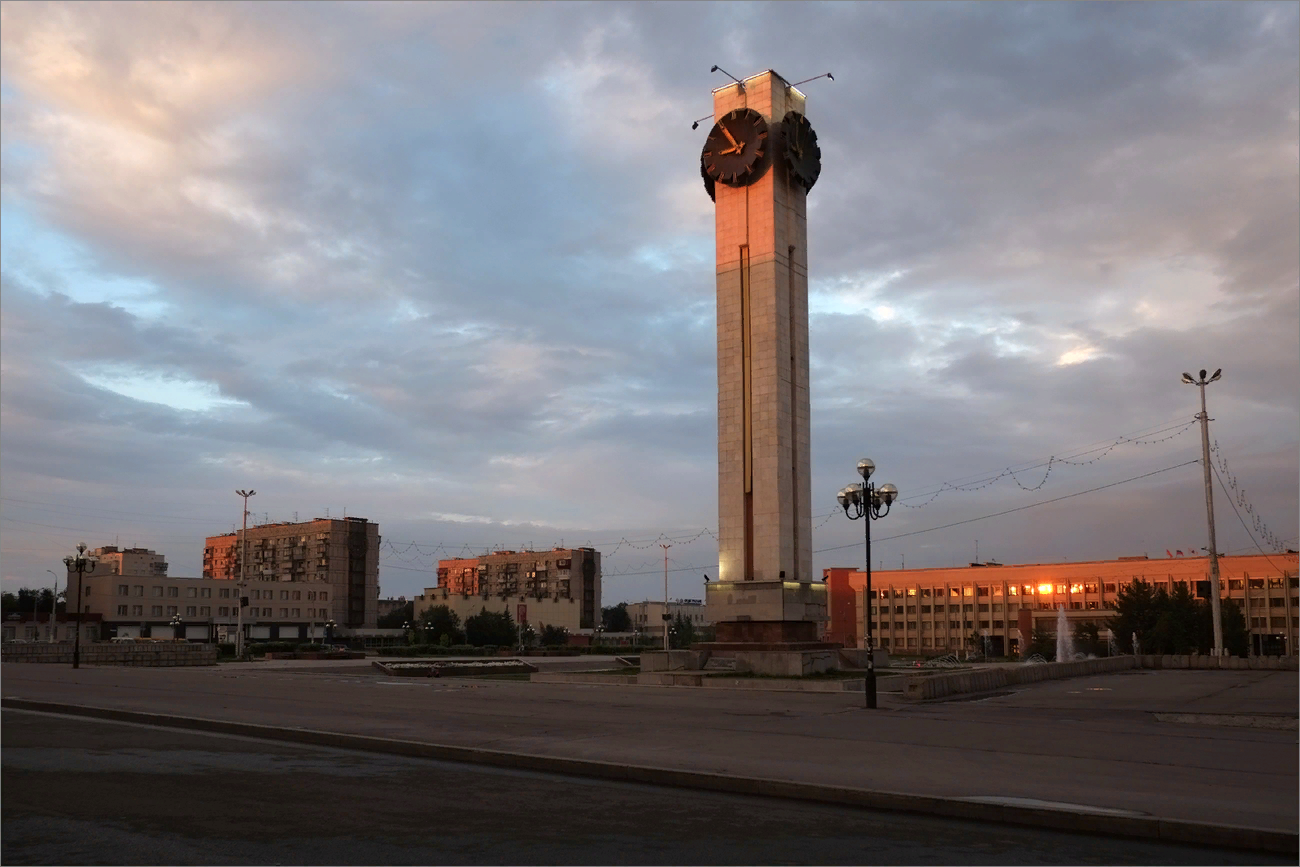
column 866, row 501
column 178, row 627
column 81, row 563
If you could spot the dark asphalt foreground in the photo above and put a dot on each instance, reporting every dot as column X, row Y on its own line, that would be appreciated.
column 79, row 791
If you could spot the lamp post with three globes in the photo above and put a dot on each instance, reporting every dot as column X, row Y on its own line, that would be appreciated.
column 870, row 503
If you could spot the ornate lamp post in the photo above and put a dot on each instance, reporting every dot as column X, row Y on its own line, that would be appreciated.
column 329, row 630
column 81, row 563
column 178, row 626
column 864, row 500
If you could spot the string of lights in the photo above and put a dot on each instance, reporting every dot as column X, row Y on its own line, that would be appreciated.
column 1238, row 500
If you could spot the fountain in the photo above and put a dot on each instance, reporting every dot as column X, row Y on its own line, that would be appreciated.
column 1064, row 642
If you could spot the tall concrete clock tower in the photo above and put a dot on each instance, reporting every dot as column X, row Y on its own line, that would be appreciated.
column 759, row 162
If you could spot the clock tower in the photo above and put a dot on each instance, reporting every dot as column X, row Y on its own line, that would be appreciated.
column 758, row 163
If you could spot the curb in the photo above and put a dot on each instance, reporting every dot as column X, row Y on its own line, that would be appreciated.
column 1140, row 827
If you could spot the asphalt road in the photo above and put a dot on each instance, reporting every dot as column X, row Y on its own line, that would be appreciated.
column 79, row 791
column 1083, row 743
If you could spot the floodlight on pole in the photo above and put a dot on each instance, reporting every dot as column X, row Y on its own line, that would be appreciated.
column 243, row 576
column 1216, row 607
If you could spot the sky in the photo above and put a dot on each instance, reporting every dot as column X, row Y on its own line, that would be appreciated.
column 449, row 267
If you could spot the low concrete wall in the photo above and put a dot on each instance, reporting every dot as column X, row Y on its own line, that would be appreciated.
column 145, row 653
column 776, row 663
column 1234, row 663
column 986, row 679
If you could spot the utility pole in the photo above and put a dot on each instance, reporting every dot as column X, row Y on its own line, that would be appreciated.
column 243, row 577
column 666, row 617
column 1216, row 609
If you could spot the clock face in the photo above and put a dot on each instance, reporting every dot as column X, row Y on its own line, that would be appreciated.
column 735, row 149
column 802, row 156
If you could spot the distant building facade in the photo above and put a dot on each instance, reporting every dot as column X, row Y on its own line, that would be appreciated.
column 648, row 616
column 340, row 552
column 938, row 611
column 384, row 607
column 559, row 587
column 130, row 561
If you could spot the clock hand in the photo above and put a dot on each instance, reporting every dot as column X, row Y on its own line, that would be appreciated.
column 727, row 133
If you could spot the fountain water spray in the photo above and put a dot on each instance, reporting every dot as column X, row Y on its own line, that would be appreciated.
column 1064, row 642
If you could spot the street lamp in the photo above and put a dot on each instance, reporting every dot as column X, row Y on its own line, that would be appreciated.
column 177, row 626
column 81, row 563
column 243, row 573
column 864, row 500
column 1215, row 607
column 329, row 630
column 54, row 605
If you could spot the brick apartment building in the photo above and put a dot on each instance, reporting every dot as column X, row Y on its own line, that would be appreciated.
column 559, row 587
column 342, row 553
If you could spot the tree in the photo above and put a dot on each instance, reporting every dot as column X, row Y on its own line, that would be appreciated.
column 398, row 617
column 682, row 634
column 1137, row 608
column 1178, row 627
column 554, row 635
column 1236, row 638
column 1042, row 643
column 490, row 627
column 1087, row 639
column 615, row 618
column 439, row 622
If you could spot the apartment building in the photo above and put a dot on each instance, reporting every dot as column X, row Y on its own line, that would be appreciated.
column 559, row 587
column 341, row 552
column 936, row 611
column 144, row 606
column 648, row 616
column 129, row 561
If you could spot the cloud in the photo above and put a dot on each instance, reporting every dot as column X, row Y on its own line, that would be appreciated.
column 449, row 267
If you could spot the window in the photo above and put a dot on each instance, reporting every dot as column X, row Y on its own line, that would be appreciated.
column 911, row 609
column 984, row 606
column 925, row 609
column 997, row 624
column 1013, row 590
column 984, row 624
column 1060, row 588
column 954, row 591
column 155, row 611
column 224, row 593
column 297, row 612
column 982, row 591
column 137, row 590
column 969, row 624
column 191, row 592
column 968, row 591
column 173, row 591
column 911, row 591
column 205, row 611
column 191, row 611
column 284, row 595
column 1276, row 603
column 171, row 610
column 324, row 597
column 88, row 590
column 297, row 595
column 205, row 592
column 311, row 595
column 954, row 624
column 224, row 610
column 911, row 624
column 1089, row 588
column 137, row 610
column 1256, row 583
column 121, row 609
column 925, row 591
column 898, row 624
column 1110, row 588
column 123, row 590
column 284, row 612
column 266, row 612
column 156, row 591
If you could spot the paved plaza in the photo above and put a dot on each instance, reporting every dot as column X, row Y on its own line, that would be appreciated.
column 1086, row 744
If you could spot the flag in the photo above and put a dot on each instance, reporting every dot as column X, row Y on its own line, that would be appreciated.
column 1168, row 553
column 1180, row 553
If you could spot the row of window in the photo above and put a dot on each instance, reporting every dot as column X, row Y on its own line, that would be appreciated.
column 926, row 626
column 1047, row 589
column 223, row 593
column 206, row 611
